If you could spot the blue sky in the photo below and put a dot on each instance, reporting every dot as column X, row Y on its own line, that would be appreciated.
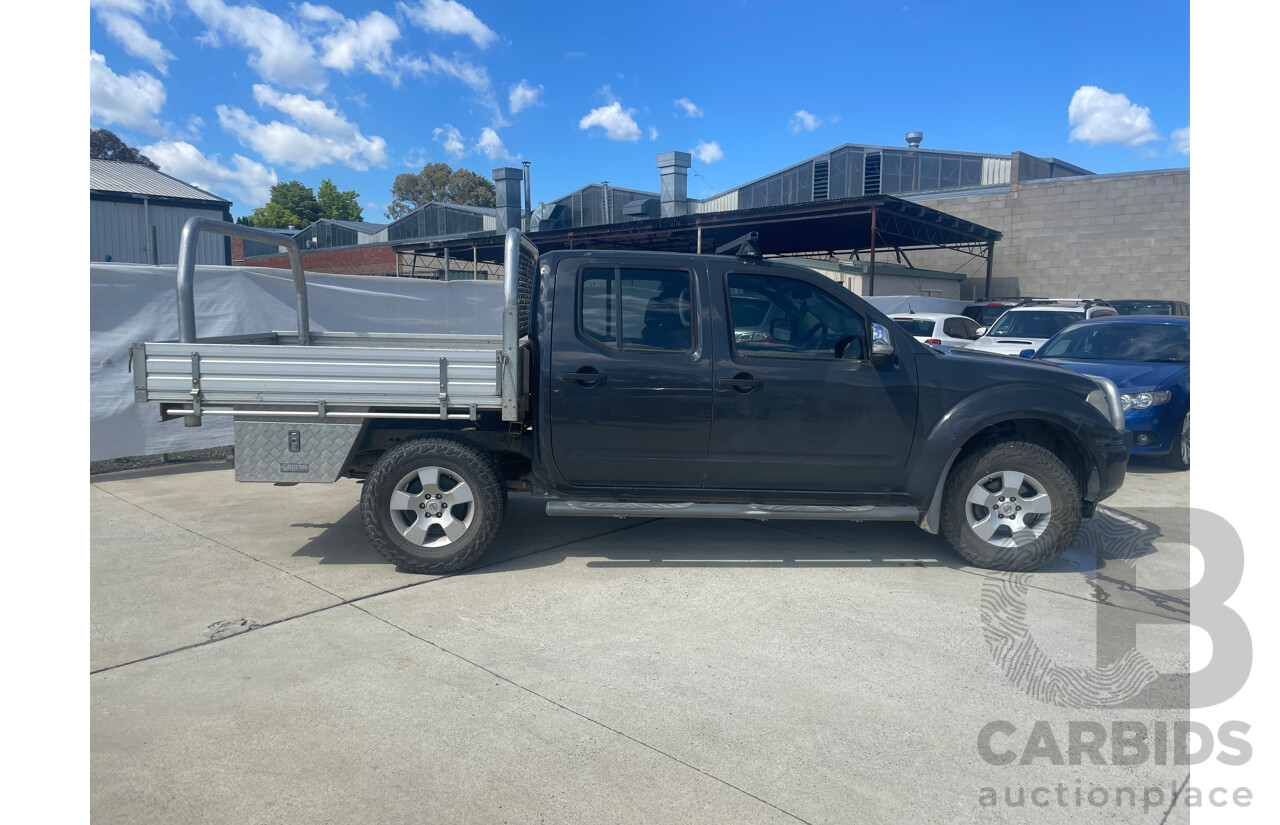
column 234, row 96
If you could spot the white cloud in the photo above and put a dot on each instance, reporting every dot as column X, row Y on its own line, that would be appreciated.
column 708, row 153
column 319, row 134
column 449, row 17
column 653, row 133
column 135, row 40
column 521, row 96
column 475, row 77
column 364, row 43
column 131, row 101
column 618, row 123
column 1097, row 116
column 691, row 109
column 490, row 145
column 451, row 139
column 246, row 181
column 279, row 53
column 804, row 121
column 1180, row 141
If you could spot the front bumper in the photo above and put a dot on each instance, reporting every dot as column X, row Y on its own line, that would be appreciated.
column 1110, row 458
column 1153, row 430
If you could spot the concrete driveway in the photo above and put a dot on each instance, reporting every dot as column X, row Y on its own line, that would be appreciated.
column 253, row 660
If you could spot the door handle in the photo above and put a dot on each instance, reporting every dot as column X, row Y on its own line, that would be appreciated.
column 586, row 379
column 742, row 383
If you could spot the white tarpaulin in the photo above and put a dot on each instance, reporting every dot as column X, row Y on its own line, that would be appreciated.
column 131, row 303
column 897, row 304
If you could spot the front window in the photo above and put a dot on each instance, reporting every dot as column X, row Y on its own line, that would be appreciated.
column 1164, row 343
column 1033, row 323
column 771, row 315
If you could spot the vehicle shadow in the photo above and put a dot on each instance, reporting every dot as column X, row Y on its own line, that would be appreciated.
column 530, row 539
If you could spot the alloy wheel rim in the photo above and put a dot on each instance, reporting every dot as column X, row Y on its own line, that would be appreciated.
column 432, row 507
column 1008, row 508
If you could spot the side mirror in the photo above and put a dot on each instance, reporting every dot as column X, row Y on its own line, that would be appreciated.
column 881, row 346
column 1027, row 353
column 982, row 331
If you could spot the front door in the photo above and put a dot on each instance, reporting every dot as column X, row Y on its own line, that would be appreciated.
column 630, row 378
column 799, row 406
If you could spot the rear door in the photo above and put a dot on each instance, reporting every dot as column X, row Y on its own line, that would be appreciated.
column 630, row 389
column 798, row 404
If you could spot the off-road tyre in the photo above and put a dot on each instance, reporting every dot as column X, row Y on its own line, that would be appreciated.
column 457, row 460
column 1051, row 476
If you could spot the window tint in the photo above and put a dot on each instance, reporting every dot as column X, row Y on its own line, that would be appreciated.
column 637, row 309
column 917, row 327
column 954, row 328
column 971, row 328
column 774, row 315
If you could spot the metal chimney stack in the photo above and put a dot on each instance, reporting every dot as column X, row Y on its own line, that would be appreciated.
column 507, row 183
column 914, row 138
column 528, row 201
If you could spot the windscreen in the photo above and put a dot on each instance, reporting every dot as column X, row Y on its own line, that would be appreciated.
column 1034, row 323
column 918, row 327
column 1143, row 307
column 1165, row 343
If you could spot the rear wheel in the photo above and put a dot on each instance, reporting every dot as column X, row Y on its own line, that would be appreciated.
column 1011, row 505
column 433, row 505
column 1179, row 458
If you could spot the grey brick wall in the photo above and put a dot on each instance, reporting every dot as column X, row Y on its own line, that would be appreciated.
column 1100, row 236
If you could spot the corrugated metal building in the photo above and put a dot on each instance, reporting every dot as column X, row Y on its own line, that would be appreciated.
column 327, row 232
column 437, row 219
column 136, row 215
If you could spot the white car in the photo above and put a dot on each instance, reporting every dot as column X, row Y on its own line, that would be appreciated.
column 1028, row 326
column 945, row 330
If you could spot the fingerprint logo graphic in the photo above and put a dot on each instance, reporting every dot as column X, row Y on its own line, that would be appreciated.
column 1025, row 663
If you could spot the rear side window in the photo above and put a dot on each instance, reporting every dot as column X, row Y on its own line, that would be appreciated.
column 637, row 309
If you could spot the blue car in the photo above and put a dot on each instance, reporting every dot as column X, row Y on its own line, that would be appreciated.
column 1149, row 359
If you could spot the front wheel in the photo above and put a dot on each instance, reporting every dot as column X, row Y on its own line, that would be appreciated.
column 1179, row 457
column 1010, row 506
column 433, row 505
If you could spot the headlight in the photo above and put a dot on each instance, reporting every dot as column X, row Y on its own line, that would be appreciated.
column 1142, row 400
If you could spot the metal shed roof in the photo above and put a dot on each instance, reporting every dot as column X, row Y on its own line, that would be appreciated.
column 356, row 226
column 136, row 179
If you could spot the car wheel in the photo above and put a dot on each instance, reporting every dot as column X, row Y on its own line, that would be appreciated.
column 1179, row 458
column 1010, row 505
column 433, row 505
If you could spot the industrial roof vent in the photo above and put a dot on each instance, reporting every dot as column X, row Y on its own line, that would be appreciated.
column 914, row 138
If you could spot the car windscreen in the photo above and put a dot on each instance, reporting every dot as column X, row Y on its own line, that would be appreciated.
column 1143, row 307
column 1168, row 343
column 1034, row 323
column 918, row 327
column 986, row 315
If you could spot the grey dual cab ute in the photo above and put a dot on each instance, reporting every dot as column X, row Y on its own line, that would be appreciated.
column 650, row 384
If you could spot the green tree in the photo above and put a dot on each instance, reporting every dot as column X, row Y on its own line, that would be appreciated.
column 105, row 145
column 295, row 197
column 440, row 183
column 336, row 205
column 468, row 188
column 275, row 216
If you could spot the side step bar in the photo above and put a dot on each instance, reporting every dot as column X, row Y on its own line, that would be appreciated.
column 688, row 509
